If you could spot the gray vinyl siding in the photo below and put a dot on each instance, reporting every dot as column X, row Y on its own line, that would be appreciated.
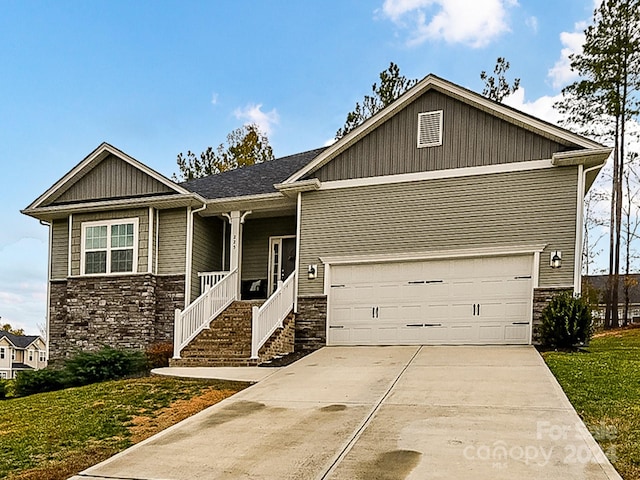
column 207, row 250
column 471, row 138
column 112, row 178
column 518, row 208
column 172, row 247
column 59, row 249
column 142, row 214
column 255, row 244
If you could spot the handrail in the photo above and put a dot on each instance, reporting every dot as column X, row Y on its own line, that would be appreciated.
column 270, row 316
column 210, row 279
column 197, row 316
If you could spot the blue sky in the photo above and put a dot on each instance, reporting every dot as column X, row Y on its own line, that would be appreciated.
column 155, row 78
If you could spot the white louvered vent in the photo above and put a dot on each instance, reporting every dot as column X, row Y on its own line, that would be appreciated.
column 430, row 129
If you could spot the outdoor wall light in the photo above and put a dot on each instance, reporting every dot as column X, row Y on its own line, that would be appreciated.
column 555, row 259
column 312, row 271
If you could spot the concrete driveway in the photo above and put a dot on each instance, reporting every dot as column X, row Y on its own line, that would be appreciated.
column 381, row 413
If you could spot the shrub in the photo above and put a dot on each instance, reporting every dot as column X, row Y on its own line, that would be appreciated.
column 566, row 322
column 158, row 354
column 36, row 381
column 3, row 389
column 105, row 364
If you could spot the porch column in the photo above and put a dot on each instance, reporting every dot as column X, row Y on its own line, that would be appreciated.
column 236, row 219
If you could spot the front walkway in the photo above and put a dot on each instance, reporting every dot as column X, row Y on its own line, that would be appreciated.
column 381, row 412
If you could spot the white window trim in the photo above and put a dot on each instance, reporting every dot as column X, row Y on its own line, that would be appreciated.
column 108, row 224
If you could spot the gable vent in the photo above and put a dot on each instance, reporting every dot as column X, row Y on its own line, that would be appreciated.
column 430, row 129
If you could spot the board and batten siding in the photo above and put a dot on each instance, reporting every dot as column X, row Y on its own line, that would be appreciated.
column 111, row 178
column 255, row 243
column 516, row 208
column 471, row 138
column 59, row 249
column 207, row 250
column 142, row 214
column 172, row 246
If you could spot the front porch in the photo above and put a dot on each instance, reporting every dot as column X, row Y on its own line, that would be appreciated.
column 240, row 308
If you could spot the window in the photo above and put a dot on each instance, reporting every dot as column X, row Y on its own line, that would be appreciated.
column 3, row 374
column 430, row 129
column 13, row 354
column 43, row 356
column 1, row 353
column 109, row 247
column 31, row 355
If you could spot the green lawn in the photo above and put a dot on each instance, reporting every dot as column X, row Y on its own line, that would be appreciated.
column 603, row 384
column 53, row 435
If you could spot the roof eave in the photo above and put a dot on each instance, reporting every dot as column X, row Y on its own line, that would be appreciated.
column 588, row 158
column 166, row 201
column 292, row 189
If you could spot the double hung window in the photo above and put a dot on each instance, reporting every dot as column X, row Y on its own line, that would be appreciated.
column 109, row 247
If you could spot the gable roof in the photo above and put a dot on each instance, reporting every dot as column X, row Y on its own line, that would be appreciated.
column 90, row 162
column 19, row 341
column 256, row 179
column 431, row 81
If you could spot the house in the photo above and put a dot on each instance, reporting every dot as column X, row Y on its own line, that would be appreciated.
column 447, row 218
column 21, row 352
column 597, row 285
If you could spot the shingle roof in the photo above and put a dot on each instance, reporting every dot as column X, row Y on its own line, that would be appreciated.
column 20, row 341
column 254, row 180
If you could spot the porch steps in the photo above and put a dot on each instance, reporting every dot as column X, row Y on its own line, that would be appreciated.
column 227, row 343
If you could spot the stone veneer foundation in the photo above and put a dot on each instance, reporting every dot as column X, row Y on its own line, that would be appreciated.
column 311, row 323
column 541, row 298
column 130, row 311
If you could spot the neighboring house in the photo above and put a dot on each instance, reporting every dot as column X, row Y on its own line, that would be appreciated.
column 598, row 285
column 21, row 352
column 438, row 221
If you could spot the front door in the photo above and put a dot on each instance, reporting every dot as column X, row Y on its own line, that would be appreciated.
column 283, row 260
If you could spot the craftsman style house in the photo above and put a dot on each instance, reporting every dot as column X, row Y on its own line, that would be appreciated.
column 20, row 352
column 446, row 218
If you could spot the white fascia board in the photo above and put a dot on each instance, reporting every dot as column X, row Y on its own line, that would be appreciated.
column 438, row 174
column 587, row 158
column 58, row 210
column 492, row 251
column 292, row 189
column 97, row 155
column 467, row 96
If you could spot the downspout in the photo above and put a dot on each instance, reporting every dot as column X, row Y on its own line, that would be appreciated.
column 582, row 180
column 48, row 312
column 189, row 253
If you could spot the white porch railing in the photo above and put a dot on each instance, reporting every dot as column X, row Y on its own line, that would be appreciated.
column 197, row 316
column 210, row 279
column 272, row 313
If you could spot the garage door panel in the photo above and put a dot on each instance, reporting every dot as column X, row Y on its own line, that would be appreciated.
column 456, row 301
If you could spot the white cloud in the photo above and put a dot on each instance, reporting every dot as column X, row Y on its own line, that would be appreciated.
column 541, row 108
column 23, row 287
column 532, row 23
column 454, row 21
column 253, row 113
column 214, row 99
column 561, row 73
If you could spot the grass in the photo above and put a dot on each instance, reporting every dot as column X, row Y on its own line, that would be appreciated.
column 603, row 384
column 51, row 436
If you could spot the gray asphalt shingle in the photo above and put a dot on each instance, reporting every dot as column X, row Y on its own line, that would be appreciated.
column 254, row 180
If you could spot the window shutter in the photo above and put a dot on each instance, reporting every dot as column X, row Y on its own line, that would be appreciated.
column 430, row 129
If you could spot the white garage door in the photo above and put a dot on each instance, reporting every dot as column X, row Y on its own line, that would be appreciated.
column 461, row 301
